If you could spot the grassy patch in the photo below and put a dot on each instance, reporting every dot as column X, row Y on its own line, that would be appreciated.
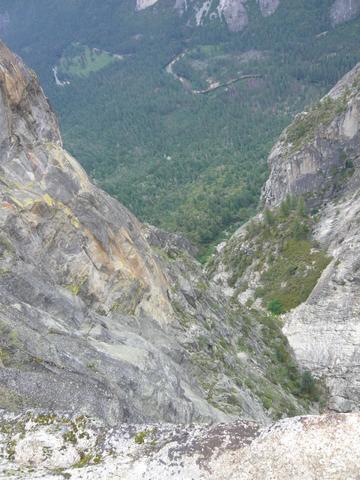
column 81, row 61
column 281, row 249
column 292, row 275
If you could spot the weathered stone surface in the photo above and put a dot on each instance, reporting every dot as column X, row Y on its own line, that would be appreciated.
column 324, row 331
column 43, row 446
column 77, row 275
column 235, row 14
column 142, row 4
column 310, row 166
column 344, row 10
column 268, row 7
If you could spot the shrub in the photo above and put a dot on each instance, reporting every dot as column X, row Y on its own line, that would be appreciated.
column 140, row 437
column 308, row 386
column 275, row 307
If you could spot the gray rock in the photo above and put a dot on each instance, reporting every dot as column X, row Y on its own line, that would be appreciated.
column 268, row 7
column 99, row 314
column 35, row 446
column 344, row 10
column 324, row 168
column 317, row 157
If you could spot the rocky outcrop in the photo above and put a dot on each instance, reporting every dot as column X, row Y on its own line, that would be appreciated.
column 100, row 314
column 314, row 153
column 142, row 4
column 344, row 10
column 235, row 14
column 71, row 259
column 324, row 331
column 268, row 7
column 46, row 446
column 307, row 264
column 323, row 166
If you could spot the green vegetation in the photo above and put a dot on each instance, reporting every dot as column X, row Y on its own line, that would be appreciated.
column 75, row 287
column 291, row 277
column 277, row 380
column 304, row 128
column 87, row 458
column 10, row 345
column 281, row 249
column 140, row 437
column 282, row 369
column 80, row 60
column 275, row 307
column 184, row 162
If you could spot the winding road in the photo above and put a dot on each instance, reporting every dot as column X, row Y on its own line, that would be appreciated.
column 169, row 68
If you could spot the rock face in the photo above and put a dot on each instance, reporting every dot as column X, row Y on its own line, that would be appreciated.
column 273, row 258
column 234, row 12
column 100, row 314
column 318, row 157
column 316, row 149
column 105, row 317
column 142, row 4
column 344, row 10
column 312, row 448
column 268, row 7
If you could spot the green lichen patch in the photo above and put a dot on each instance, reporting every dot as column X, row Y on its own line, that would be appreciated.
column 86, row 459
column 76, row 286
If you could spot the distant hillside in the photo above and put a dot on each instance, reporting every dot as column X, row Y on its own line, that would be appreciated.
column 183, row 161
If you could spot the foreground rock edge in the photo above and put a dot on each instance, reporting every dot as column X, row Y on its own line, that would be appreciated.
column 37, row 445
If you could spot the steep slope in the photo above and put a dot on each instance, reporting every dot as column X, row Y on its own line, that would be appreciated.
column 301, row 254
column 103, row 315
column 325, row 169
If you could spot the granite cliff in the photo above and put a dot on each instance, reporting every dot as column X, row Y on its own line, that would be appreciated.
column 299, row 256
column 236, row 12
column 105, row 316
column 324, row 168
column 108, row 322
